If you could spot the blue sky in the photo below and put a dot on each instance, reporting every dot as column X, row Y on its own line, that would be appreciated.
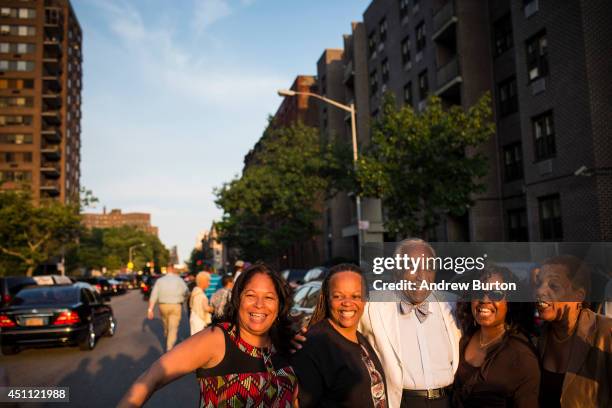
column 177, row 92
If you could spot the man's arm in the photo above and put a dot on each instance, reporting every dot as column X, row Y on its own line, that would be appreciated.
column 153, row 300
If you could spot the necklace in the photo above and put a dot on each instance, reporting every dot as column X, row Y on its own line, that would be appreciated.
column 485, row 345
column 560, row 340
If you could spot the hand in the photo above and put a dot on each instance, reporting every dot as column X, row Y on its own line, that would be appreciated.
column 298, row 339
column 150, row 314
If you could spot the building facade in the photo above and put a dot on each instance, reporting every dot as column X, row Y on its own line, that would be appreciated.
column 116, row 219
column 40, row 98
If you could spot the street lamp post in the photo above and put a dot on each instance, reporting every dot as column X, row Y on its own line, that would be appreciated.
column 350, row 109
column 131, row 250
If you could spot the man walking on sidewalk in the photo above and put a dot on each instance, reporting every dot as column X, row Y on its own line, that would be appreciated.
column 170, row 292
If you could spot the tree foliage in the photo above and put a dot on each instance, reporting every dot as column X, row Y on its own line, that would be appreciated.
column 31, row 234
column 279, row 196
column 109, row 248
column 425, row 165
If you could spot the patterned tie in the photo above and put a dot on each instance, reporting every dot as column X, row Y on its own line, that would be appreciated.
column 421, row 310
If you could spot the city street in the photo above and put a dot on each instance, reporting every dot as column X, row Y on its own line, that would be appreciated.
column 99, row 378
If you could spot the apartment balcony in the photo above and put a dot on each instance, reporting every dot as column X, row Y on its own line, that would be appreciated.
column 52, row 118
column 52, row 135
column 52, row 66
column 50, row 170
column 52, row 48
column 349, row 74
column 444, row 19
column 51, row 84
column 51, row 101
column 51, row 152
column 50, row 188
column 449, row 83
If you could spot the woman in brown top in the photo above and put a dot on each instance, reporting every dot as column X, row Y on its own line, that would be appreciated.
column 498, row 366
column 575, row 347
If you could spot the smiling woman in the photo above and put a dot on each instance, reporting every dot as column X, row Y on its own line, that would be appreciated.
column 337, row 366
column 239, row 362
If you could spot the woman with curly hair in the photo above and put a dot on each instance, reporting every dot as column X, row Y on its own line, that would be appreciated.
column 239, row 362
column 498, row 365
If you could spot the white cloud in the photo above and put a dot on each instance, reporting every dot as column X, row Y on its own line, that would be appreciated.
column 208, row 12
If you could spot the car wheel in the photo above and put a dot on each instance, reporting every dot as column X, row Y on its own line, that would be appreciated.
column 112, row 326
column 8, row 350
column 89, row 342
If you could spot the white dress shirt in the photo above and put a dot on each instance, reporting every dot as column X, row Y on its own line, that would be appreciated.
column 427, row 355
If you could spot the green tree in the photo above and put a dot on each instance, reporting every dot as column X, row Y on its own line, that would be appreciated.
column 279, row 196
column 426, row 165
column 31, row 234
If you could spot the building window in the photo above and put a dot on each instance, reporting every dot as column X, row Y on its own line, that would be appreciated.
column 15, row 102
column 16, row 157
column 508, row 99
column 17, row 48
column 20, row 66
column 403, row 7
column 17, row 12
column 372, row 43
column 323, row 85
column 15, row 176
column 423, row 85
column 420, row 37
column 382, row 29
column 551, row 224
column 373, row 83
column 385, row 71
column 21, row 31
column 405, row 51
column 513, row 162
column 18, row 138
column 537, row 56
column 544, row 136
column 502, row 30
column 408, row 94
column 517, row 225
column 16, row 83
column 15, row 120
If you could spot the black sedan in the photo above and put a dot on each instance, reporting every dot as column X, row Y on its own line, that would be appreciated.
column 102, row 285
column 55, row 315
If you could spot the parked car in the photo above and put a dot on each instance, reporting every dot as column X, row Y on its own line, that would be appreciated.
column 117, row 287
column 10, row 285
column 305, row 300
column 146, row 285
column 294, row 277
column 101, row 284
column 52, row 280
column 55, row 315
column 316, row 273
column 129, row 280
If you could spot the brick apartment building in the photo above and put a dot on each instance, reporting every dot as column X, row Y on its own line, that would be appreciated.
column 116, row 219
column 40, row 97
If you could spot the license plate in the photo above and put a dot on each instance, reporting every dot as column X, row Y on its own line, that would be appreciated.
column 35, row 321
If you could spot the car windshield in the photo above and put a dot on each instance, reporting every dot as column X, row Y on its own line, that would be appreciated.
column 47, row 296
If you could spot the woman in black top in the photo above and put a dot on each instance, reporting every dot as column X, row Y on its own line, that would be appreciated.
column 337, row 367
column 498, row 365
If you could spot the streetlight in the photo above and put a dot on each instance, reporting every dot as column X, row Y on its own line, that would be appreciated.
column 131, row 250
column 351, row 109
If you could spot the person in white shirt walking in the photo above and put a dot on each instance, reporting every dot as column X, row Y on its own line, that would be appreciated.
column 198, row 302
column 170, row 292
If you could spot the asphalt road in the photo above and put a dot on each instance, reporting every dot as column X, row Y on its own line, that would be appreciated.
column 100, row 377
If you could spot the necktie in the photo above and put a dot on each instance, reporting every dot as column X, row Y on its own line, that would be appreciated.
column 421, row 310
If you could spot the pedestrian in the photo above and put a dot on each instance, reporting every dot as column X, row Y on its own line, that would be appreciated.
column 238, row 268
column 170, row 292
column 198, row 302
column 498, row 364
column 337, row 366
column 240, row 362
column 575, row 347
column 215, row 282
column 219, row 298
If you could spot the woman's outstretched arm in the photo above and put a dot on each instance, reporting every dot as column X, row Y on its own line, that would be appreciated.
column 204, row 349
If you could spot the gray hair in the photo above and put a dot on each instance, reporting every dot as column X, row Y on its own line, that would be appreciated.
column 201, row 276
column 406, row 245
